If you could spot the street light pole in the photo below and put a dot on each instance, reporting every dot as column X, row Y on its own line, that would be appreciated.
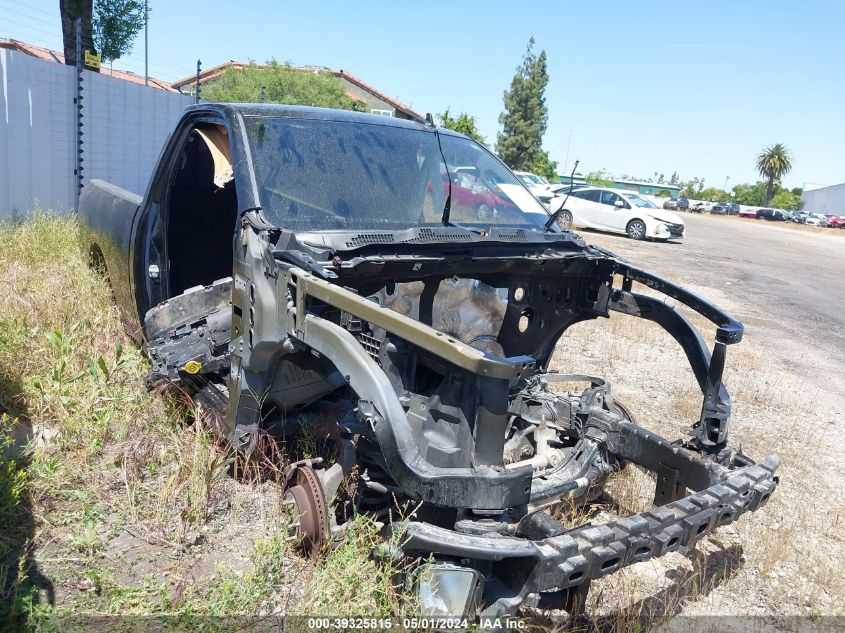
column 146, row 42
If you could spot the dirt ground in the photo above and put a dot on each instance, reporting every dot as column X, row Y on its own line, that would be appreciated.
column 136, row 510
column 785, row 283
column 785, row 379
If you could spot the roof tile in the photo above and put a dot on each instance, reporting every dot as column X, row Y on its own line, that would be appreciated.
column 55, row 56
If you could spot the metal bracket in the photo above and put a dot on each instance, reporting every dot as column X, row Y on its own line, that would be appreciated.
column 668, row 488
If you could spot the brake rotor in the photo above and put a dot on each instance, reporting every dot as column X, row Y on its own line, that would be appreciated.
column 305, row 493
column 624, row 411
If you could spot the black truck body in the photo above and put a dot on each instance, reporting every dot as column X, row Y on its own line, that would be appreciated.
column 282, row 256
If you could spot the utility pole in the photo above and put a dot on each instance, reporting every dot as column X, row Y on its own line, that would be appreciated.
column 727, row 178
column 146, row 44
column 197, row 90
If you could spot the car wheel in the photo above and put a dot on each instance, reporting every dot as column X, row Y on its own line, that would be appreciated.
column 565, row 221
column 635, row 229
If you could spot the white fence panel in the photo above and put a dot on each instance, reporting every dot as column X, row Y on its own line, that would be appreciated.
column 124, row 128
column 36, row 134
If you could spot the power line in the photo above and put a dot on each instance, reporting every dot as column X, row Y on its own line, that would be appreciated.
column 39, row 41
column 29, row 26
column 27, row 33
column 50, row 13
column 155, row 61
column 17, row 10
column 161, row 65
column 122, row 64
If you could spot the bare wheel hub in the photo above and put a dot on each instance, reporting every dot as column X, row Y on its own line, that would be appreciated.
column 304, row 493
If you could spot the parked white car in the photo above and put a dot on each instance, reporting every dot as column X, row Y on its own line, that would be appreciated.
column 554, row 195
column 814, row 219
column 531, row 180
column 620, row 212
column 537, row 185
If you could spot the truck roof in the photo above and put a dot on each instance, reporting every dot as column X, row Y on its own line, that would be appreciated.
column 307, row 112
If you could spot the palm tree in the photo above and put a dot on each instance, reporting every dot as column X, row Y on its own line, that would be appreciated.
column 773, row 163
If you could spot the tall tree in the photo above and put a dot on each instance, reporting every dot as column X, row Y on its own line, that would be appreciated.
column 463, row 123
column 116, row 23
column 69, row 10
column 599, row 178
column 773, row 163
column 785, row 199
column 712, row 194
column 751, row 195
column 692, row 188
column 520, row 143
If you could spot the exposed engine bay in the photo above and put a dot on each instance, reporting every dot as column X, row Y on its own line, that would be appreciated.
column 433, row 370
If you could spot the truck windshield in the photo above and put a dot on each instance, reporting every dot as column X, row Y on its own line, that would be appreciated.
column 314, row 174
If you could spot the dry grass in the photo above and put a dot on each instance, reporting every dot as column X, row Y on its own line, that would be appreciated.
column 631, row 490
column 123, row 501
column 787, row 558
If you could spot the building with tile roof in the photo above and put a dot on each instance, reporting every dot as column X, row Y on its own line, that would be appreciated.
column 49, row 55
column 376, row 101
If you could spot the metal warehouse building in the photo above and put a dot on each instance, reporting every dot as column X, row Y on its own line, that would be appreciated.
column 647, row 188
column 819, row 199
column 637, row 186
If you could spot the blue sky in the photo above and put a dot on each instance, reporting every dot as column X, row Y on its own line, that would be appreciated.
column 694, row 87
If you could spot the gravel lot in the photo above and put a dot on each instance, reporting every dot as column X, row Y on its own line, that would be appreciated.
column 786, row 285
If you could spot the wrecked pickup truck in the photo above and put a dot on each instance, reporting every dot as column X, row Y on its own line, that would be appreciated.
column 290, row 264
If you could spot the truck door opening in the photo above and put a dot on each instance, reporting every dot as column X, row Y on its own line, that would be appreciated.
column 201, row 211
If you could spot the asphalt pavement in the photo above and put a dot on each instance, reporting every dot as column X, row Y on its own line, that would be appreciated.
column 784, row 283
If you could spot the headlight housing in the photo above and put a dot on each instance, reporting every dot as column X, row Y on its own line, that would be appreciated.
column 447, row 590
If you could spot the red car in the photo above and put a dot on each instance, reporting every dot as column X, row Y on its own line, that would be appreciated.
column 748, row 213
column 835, row 221
column 472, row 199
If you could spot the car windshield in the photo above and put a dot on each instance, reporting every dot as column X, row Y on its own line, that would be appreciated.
column 640, row 202
column 314, row 174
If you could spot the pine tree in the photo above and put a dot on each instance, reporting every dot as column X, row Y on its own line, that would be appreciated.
column 520, row 143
